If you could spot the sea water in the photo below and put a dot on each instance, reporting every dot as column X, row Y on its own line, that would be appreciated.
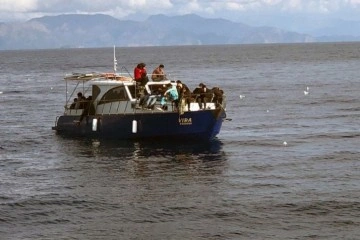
column 284, row 166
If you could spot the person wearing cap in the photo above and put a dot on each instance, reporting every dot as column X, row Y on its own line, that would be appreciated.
column 158, row 74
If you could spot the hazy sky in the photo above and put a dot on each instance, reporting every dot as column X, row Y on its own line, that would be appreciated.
column 20, row 10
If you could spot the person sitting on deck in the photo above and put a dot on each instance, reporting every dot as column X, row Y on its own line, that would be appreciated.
column 153, row 97
column 158, row 74
column 218, row 96
column 201, row 93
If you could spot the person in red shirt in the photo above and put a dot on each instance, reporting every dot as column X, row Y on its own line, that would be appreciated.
column 137, row 72
column 140, row 74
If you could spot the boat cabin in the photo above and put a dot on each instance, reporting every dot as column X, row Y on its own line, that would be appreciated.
column 113, row 94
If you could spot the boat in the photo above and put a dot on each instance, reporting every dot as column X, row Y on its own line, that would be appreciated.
column 115, row 109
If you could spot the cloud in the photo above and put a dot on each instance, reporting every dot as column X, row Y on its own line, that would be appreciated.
column 17, row 6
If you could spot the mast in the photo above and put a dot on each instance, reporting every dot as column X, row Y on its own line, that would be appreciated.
column 115, row 61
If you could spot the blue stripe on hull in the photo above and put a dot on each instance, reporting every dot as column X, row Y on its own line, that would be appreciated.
column 191, row 125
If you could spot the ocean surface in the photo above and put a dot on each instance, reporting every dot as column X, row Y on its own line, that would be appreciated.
column 286, row 164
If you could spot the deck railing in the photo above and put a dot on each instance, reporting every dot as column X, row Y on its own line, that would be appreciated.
column 117, row 106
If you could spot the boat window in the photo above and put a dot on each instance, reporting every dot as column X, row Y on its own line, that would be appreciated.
column 114, row 95
column 95, row 91
column 132, row 90
column 156, row 87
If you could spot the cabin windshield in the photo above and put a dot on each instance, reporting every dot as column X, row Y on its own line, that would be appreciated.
column 114, row 95
column 95, row 91
column 132, row 90
column 155, row 87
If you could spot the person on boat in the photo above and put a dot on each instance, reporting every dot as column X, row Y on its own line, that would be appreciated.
column 158, row 74
column 72, row 106
column 137, row 72
column 218, row 96
column 153, row 97
column 81, row 99
column 171, row 94
column 89, row 109
column 201, row 92
column 140, row 74
column 142, row 100
column 184, row 93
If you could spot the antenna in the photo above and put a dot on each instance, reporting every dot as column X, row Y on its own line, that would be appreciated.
column 115, row 61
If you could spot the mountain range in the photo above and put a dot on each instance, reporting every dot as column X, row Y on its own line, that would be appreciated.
column 89, row 31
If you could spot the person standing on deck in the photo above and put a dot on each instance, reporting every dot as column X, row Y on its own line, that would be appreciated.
column 80, row 101
column 171, row 95
column 140, row 77
column 184, row 94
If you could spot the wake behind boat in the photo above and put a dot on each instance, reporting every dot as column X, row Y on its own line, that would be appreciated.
column 118, row 107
